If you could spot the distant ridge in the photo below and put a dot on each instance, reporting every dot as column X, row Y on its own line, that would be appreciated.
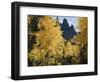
column 68, row 31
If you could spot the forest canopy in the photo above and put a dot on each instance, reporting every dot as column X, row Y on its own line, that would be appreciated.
column 53, row 43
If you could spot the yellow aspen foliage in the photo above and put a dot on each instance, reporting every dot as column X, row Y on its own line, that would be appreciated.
column 82, row 23
column 81, row 39
column 49, row 39
column 37, row 55
column 50, row 35
column 49, row 46
column 71, row 50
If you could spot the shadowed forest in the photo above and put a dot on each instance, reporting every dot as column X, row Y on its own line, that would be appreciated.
column 51, row 42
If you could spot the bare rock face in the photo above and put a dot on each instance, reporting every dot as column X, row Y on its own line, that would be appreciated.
column 68, row 31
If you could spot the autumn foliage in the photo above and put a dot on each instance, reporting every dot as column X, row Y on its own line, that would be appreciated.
column 46, row 45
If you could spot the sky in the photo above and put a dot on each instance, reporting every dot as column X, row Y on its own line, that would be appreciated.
column 72, row 20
